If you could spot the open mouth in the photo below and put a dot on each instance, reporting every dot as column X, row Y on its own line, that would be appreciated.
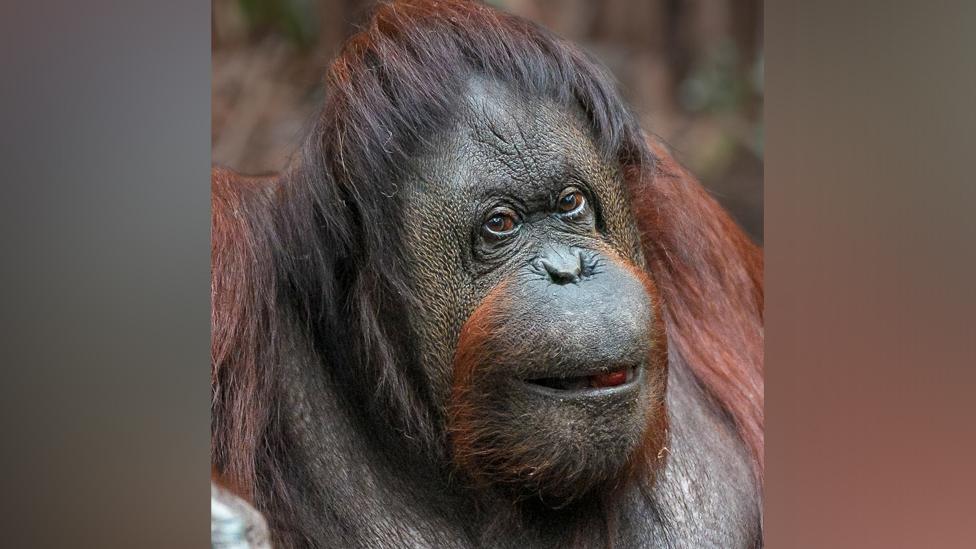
column 602, row 380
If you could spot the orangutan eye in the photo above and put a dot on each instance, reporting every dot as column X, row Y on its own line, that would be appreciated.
column 571, row 201
column 501, row 223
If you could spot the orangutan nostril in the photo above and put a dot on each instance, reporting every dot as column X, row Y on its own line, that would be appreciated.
column 563, row 266
column 562, row 273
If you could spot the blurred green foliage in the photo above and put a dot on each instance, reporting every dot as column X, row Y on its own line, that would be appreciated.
column 718, row 85
column 294, row 19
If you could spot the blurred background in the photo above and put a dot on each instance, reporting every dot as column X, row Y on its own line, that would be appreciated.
column 691, row 69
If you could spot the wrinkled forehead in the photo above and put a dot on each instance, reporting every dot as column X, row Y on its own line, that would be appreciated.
column 501, row 136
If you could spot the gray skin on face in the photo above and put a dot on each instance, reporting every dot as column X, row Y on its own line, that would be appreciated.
column 506, row 151
column 503, row 145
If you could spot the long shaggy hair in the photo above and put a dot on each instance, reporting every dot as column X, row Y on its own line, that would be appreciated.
column 307, row 262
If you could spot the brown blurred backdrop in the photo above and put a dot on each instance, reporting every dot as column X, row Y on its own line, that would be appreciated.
column 692, row 69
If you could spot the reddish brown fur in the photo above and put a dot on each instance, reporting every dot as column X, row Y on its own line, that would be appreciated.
column 469, row 355
column 240, row 385
column 648, row 460
column 710, row 277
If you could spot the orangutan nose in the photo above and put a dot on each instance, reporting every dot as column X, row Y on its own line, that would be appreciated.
column 563, row 265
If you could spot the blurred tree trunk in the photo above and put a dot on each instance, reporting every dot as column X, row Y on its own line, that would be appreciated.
column 635, row 25
column 747, row 20
column 338, row 20
column 227, row 24
column 333, row 27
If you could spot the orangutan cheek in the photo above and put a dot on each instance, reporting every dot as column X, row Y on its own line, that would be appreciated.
column 559, row 389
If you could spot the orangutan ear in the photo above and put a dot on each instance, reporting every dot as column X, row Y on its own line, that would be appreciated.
column 709, row 274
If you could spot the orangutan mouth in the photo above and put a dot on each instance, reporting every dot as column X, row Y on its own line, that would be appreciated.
column 612, row 378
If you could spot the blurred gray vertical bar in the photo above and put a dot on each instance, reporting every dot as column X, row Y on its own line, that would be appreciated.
column 104, row 323
column 870, row 270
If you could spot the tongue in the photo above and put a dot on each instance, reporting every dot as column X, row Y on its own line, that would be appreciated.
column 609, row 379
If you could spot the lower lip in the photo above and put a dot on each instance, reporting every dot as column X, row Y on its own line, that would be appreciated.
column 600, row 384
